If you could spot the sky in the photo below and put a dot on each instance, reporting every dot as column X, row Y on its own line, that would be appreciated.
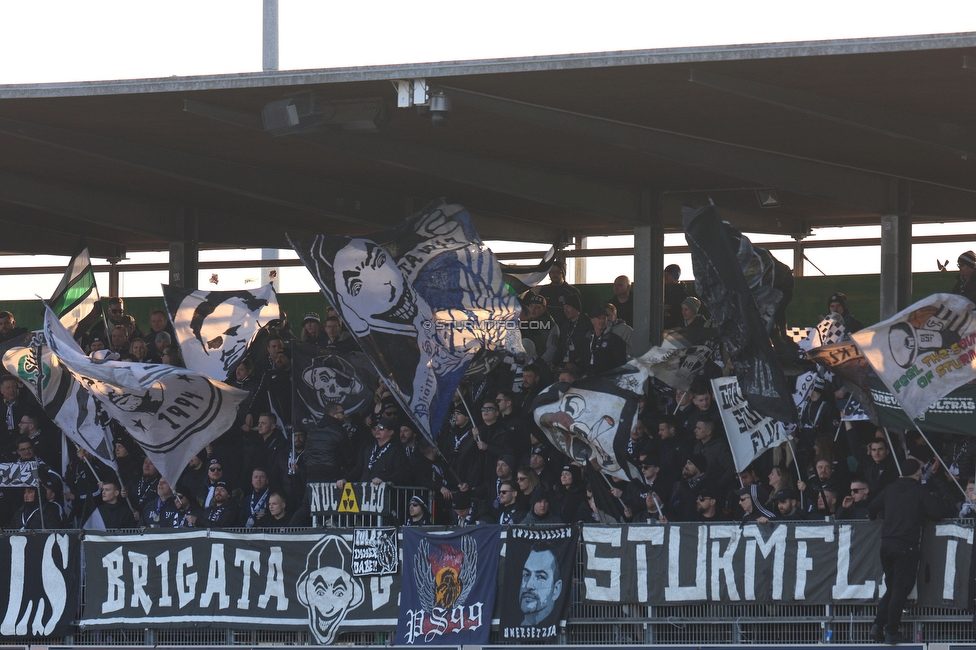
column 50, row 41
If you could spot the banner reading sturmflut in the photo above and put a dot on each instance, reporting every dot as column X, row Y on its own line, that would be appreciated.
column 449, row 586
column 923, row 352
column 810, row 562
column 43, row 573
column 212, row 578
column 749, row 433
column 539, row 567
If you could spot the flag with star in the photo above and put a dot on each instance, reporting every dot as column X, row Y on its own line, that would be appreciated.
column 171, row 412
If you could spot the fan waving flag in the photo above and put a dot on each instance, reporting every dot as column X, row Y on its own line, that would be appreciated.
column 519, row 279
column 746, row 309
column 421, row 300
column 922, row 353
column 214, row 328
column 76, row 297
column 65, row 400
column 171, row 412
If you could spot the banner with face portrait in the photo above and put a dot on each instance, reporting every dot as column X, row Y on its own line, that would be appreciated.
column 449, row 586
column 253, row 580
column 421, row 300
column 591, row 419
column 215, row 328
column 539, row 567
column 171, row 412
column 324, row 376
column 923, row 352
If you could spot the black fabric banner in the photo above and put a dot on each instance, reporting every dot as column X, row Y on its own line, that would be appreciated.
column 813, row 563
column 351, row 499
column 733, row 301
column 539, row 567
column 44, row 575
column 211, row 578
column 323, row 376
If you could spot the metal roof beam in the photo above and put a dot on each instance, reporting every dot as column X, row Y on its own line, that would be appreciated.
column 108, row 209
column 863, row 189
column 605, row 200
column 958, row 139
column 362, row 207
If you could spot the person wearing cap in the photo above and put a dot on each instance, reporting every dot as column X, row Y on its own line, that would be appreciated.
column 752, row 508
column 384, row 461
column 837, row 304
column 788, row 505
column 674, row 295
column 623, row 299
column 557, row 291
column 312, row 329
column 653, row 509
column 464, row 510
column 904, row 506
column 418, row 514
column 683, row 505
column 573, row 343
column 540, row 327
column 690, row 317
column 222, row 512
column 709, row 504
column 605, row 350
column 458, row 443
column 965, row 285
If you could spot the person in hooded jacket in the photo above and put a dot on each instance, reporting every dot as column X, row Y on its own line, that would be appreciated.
column 837, row 304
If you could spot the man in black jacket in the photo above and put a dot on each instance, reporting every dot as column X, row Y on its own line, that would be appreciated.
column 904, row 505
column 383, row 462
column 115, row 512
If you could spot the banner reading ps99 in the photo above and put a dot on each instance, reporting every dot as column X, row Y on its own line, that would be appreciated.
column 208, row 578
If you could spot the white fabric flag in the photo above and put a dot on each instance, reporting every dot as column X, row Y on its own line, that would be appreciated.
column 215, row 328
column 65, row 400
column 924, row 352
column 171, row 412
column 676, row 367
column 749, row 433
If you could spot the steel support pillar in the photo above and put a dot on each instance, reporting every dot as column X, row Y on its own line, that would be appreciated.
column 648, row 286
column 896, row 264
column 269, row 58
column 184, row 255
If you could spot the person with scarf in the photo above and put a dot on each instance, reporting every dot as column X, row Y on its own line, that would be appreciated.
column 29, row 516
column 254, row 505
column 384, row 461
column 161, row 512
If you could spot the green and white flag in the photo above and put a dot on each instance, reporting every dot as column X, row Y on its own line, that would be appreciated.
column 76, row 297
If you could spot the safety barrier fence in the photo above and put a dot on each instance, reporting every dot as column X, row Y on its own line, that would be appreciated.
column 615, row 624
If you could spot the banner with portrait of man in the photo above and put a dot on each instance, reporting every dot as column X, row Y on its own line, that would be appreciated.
column 539, row 566
column 421, row 300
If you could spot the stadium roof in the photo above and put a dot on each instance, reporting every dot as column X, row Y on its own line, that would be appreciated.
column 843, row 132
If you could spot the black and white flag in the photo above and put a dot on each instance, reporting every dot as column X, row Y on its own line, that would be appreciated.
column 64, row 399
column 171, row 412
column 421, row 300
column 214, row 328
column 323, row 376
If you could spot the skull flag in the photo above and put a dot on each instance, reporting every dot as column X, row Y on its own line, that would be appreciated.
column 323, row 376
column 421, row 300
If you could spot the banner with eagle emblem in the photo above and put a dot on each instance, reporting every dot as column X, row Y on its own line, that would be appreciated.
column 449, row 585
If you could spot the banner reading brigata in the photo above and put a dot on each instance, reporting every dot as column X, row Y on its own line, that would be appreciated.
column 812, row 563
column 449, row 586
column 539, row 567
column 233, row 580
column 43, row 573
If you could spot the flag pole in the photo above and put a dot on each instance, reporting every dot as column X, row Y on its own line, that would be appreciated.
column 892, row 448
column 951, row 475
column 796, row 466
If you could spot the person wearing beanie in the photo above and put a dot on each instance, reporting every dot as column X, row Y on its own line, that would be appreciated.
column 417, row 513
column 573, row 333
column 694, row 478
column 539, row 509
column 569, row 494
column 690, row 317
column 540, row 327
column 837, row 304
column 965, row 285
column 674, row 295
column 904, row 506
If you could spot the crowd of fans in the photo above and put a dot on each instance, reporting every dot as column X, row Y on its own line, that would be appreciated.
column 491, row 463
